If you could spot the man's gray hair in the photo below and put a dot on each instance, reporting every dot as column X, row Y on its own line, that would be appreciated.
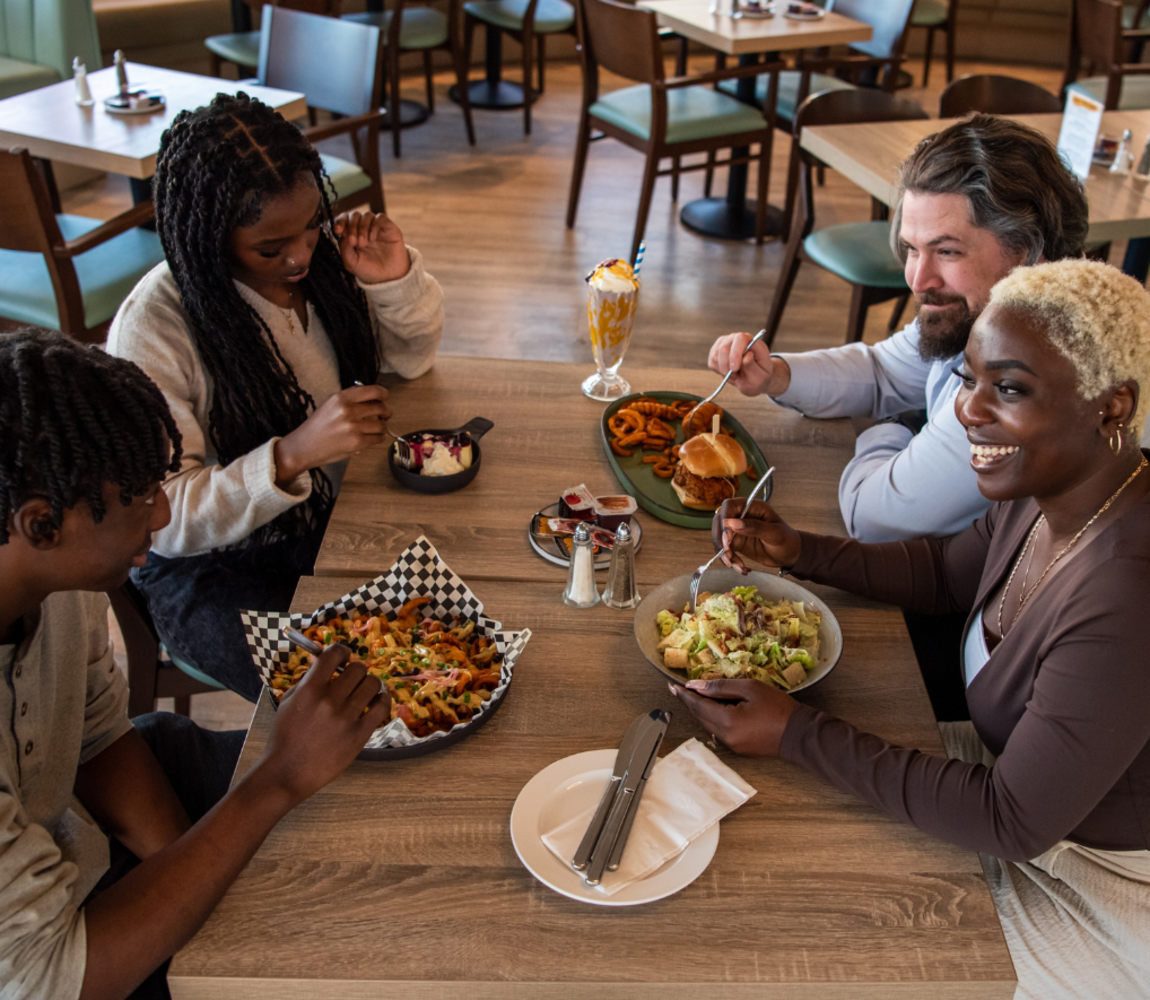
column 1018, row 187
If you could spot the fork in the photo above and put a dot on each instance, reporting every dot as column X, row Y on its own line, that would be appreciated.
column 727, row 378
column 403, row 454
column 697, row 576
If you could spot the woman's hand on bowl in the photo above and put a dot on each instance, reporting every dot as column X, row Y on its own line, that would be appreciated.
column 756, row 532
column 750, row 716
column 345, row 423
column 371, row 246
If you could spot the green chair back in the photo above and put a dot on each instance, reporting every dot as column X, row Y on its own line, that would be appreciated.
column 50, row 33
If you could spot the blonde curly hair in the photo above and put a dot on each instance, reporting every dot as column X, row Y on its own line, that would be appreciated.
column 1094, row 315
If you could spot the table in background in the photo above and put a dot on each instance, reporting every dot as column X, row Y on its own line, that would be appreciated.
column 869, row 155
column 52, row 126
column 400, row 879
column 546, row 438
column 729, row 218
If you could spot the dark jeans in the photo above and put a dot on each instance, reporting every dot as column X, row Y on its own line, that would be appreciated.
column 195, row 603
column 199, row 764
column 937, row 641
column 1136, row 263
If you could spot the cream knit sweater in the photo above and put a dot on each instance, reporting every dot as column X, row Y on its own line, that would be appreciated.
column 214, row 505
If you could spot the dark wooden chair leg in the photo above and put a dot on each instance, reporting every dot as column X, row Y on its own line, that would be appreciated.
column 950, row 49
column 792, row 261
column 217, row 65
column 856, row 318
column 927, row 55
column 649, row 174
column 761, row 194
column 393, row 110
column 542, row 58
column 183, row 704
column 790, row 200
column 709, row 174
column 581, row 145
column 681, row 56
column 429, row 76
column 896, row 314
column 528, row 93
column 675, row 172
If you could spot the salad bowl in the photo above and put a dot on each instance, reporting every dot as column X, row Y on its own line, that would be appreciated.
column 675, row 595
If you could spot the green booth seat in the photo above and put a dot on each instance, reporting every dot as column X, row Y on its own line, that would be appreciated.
column 693, row 113
column 347, row 177
column 1134, row 95
column 106, row 274
column 789, row 82
column 241, row 48
column 421, row 28
column 858, row 252
column 550, row 15
column 17, row 77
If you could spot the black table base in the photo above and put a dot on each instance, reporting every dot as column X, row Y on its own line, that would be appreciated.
column 495, row 95
column 410, row 113
column 717, row 217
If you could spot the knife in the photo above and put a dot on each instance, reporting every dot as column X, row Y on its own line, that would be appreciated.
column 632, row 804
column 627, row 749
column 640, row 764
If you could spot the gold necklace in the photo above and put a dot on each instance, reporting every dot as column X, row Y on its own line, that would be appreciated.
column 1027, row 594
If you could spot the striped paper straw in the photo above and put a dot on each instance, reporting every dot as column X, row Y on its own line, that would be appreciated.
column 639, row 258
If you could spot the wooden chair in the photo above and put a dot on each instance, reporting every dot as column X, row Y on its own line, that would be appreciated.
column 996, row 95
column 936, row 15
column 241, row 46
column 1098, row 36
column 415, row 28
column 335, row 65
column 662, row 118
column 66, row 272
column 150, row 674
column 529, row 22
column 858, row 252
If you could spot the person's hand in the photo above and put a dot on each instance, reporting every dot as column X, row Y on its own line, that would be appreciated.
column 321, row 724
column 749, row 718
column 756, row 532
column 755, row 374
column 347, row 422
column 371, row 246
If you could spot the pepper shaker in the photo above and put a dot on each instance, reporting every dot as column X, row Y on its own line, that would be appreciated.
column 581, row 591
column 83, row 91
column 121, row 74
column 1124, row 158
column 1142, row 171
column 622, row 591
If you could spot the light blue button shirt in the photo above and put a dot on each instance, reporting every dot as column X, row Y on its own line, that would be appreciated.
column 899, row 485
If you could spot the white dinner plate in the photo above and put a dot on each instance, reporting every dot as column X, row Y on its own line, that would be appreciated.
column 574, row 785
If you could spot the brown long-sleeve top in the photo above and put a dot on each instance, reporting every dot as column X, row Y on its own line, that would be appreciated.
column 1063, row 702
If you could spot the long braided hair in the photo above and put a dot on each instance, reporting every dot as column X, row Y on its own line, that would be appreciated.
column 73, row 418
column 216, row 168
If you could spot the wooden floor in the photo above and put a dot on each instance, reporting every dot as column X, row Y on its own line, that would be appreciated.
column 489, row 221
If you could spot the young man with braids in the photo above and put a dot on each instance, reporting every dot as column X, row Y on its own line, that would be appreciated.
column 259, row 330
column 85, row 440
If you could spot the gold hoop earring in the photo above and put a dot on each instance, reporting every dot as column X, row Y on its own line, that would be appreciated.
column 1116, row 450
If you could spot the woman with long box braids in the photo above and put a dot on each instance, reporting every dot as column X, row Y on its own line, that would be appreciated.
column 267, row 315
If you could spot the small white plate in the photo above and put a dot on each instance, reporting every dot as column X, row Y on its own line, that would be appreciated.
column 546, row 548
column 574, row 785
column 807, row 16
column 767, row 10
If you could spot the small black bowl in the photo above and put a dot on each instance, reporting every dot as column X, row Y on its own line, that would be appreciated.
column 442, row 484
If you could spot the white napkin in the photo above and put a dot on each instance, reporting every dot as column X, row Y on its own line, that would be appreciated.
column 688, row 792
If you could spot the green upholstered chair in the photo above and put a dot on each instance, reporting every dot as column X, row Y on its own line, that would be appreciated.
column 39, row 39
column 936, row 15
column 1098, row 35
column 154, row 671
column 858, row 252
column 527, row 21
column 241, row 46
column 413, row 28
column 335, row 65
column 660, row 117
column 65, row 272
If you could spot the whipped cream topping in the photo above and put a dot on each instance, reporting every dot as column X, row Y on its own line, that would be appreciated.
column 613, row 275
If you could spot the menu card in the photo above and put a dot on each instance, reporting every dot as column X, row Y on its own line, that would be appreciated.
column 1081, row 122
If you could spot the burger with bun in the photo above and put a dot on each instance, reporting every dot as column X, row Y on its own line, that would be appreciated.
column 708, row 471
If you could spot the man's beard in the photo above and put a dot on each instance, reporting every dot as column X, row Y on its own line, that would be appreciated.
column 943, row 334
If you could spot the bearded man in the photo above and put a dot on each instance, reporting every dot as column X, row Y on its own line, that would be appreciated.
column 974, row 201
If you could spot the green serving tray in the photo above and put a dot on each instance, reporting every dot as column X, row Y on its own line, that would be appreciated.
column 657, row 496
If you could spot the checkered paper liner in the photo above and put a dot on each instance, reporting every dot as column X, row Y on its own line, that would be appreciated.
column 418, row 572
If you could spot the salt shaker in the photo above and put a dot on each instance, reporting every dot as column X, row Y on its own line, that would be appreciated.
column 83, row 91
column 581, row 591
column 1142, row 171
column 622, row 591
column 1124, row 158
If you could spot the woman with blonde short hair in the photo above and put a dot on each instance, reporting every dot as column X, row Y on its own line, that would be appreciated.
column 1050, row 782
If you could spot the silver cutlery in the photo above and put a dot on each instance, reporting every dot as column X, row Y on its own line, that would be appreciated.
column 404, row 456
column 631, row 808
column 622, row 760
column 697, row 576
column 727, row 378
column 627, row 797
column 301, row 640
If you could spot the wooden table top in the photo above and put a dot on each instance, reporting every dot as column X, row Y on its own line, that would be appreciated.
column 869, row 155
column 546, row 438
column 50, row 124
column 693, row 18
column 400, row 879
